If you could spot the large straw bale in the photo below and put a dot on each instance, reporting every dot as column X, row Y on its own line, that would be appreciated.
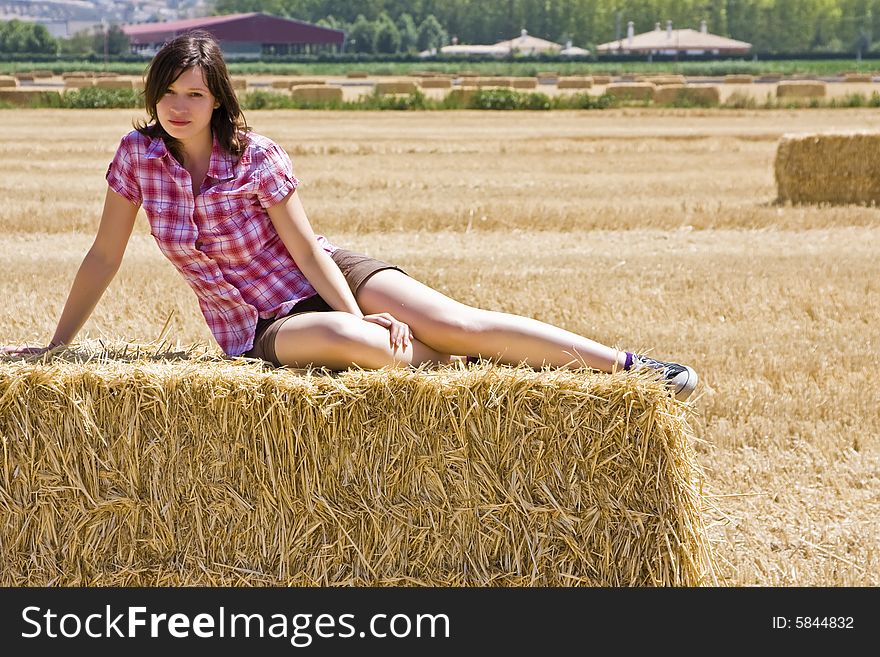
column 395, row 87
column 79, row 83
column 435, row 83
column 631, row 90
column 201, row 471
column 800, row 89
column 26, row 97
column 114, row 83
column 601, row 79
column 317, row 92
column 295, row 82
column 239, row 82
column 524, row 83
column 575, row 82
column 8, row 81
column 24, row 77
column 490, row 82
column 280, row 83
column 547, row 77
column 704, row 95
column 739, row 78
column 837, row 168
column 76, row 74
column 42, row 73
column 356, row 74
column 858, row 77
column 661, row 80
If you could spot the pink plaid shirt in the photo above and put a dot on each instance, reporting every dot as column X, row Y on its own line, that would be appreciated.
column 222, row 241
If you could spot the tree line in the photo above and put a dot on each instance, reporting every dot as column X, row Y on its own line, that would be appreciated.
column 771, row 26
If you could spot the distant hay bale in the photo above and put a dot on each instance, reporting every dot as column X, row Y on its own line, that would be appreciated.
column 469, row 74
column 8, row 81
column 356, row 74
column 113, row 83
column 42, row 73
column 800, row 89
column 702, row 95
column 76, row 74
column 281, row 83
column 575, row 82
column 24, row 77
column 739, row 78
column 768, row 78
column 601, row 79
column 435, row 83
column 26, row 97
column 323, row 93
column 239, row 83
column 491, row 82
column 524, row 83
column 205, row 472
column 79, row 83
column 547, row 77
column 836, row 168
column 858, row 77
column 395, row 87
column 296, row 82
column 631, row 90
column 662, row 80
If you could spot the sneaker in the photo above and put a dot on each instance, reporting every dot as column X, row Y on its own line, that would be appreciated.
column 681, row 379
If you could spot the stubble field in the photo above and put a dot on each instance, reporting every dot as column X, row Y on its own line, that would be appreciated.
column 653, row 230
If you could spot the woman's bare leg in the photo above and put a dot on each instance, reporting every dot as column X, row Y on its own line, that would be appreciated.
column 449, row 326
column 339, row 340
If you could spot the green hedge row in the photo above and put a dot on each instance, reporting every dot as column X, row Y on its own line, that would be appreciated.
column 482, row 99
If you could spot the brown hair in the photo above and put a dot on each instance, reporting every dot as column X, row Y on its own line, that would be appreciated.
column 195, row 48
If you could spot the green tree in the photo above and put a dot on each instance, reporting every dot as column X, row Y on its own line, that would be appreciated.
column 409, row 33
column 362, row 35
column 387, row 38
column 431, row 34
column 24, row 37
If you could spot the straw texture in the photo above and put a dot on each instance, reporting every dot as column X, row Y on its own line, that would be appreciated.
column 836, row 168
column 800, row 89
column 200, row 471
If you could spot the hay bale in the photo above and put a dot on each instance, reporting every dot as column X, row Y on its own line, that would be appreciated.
column 296, row 82
column 113, row 83
column 8, row 81
column 321, row 93
column 703, row 95
column 239, row 83
column 42, row 73
column 800, row 89
column 662, row 80
column 575, row 82
column 858, row 77
column 395, row 87
column 769, row 78
column 78, row 83
column 524, row 83
column 547, row 77
column 435, row 83
column 641, row 91
column 26, row 97
column 491, row 82
column 837, row 168
column 24, row 77
column 601, row 79
column 211, row 472
column 356, row 74
column 739, row 78
column 76, row 74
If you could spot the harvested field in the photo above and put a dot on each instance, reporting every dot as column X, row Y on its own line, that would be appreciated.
column 663, row 226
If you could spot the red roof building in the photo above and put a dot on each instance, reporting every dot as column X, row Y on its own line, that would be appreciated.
column 241, row 35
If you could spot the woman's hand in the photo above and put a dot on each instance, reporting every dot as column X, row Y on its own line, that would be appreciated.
column 401, row 335
column 23, row 350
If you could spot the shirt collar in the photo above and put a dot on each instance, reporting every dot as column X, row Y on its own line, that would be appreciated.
column 221, row 166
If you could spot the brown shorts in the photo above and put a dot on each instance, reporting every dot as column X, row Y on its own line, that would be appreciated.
column 356, row 268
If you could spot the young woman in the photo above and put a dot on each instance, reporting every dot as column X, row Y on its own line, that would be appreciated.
column 222, row 206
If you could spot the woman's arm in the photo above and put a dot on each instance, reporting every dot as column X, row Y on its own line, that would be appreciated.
column 290, row 220
column 98, row 267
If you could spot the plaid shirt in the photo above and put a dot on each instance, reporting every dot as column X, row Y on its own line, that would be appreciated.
column 222, row 241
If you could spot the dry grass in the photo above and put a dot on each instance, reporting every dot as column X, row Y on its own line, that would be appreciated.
column 663, row 227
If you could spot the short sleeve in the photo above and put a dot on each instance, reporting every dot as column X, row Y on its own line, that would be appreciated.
column 121, row 174
column 276, row 179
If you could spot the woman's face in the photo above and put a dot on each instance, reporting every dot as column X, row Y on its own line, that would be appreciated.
column 186, row 107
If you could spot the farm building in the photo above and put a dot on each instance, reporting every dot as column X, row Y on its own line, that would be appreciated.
column 241, row 35
column 674, row 42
